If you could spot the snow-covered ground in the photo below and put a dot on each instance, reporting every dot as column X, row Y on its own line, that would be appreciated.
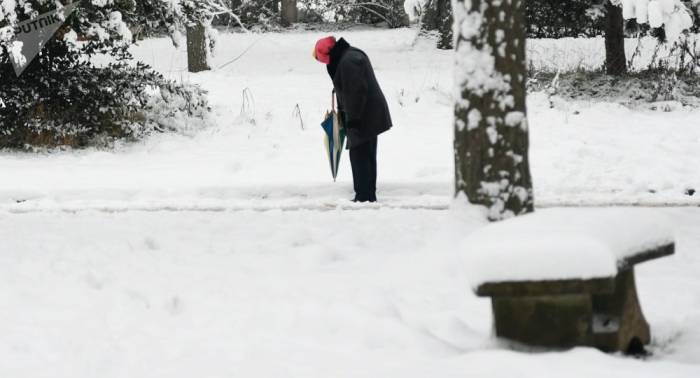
column 367, row 293
column 582, row 153
column 230, row 252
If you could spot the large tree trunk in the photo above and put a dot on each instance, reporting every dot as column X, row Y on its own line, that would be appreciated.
column 197, row 48
column 289, row 12
column 491, row 129
column 615, row 60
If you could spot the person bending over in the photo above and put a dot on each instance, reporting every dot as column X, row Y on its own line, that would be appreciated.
column 362, row 108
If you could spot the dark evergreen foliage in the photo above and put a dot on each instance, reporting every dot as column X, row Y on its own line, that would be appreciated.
column 553, row 19
column 389, row 12
column 82, row 105
column 64, row 98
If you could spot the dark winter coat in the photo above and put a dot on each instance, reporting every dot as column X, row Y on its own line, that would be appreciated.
column 362, row 105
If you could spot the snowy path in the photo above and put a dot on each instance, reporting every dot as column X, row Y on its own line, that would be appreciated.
column 289, row 294
column 582, row 154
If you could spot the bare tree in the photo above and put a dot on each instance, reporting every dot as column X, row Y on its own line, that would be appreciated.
column 197, row 47
column 615, row 59
column 197, row 18
column 491, row 129
column 289, row 12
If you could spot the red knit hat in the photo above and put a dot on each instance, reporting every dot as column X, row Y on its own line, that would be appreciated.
column 323, row 49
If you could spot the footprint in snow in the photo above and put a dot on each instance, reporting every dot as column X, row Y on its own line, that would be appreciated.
column 151, row 244
column 93, row 281
column 174, row 306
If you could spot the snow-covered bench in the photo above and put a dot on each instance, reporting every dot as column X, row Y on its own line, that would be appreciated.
column 565, row 277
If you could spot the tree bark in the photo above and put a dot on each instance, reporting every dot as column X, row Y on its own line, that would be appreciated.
column 491, row 130
column 289, row 12
column 615, row 60
column 197, row 48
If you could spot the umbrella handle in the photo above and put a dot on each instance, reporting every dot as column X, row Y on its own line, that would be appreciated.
column 333, row 100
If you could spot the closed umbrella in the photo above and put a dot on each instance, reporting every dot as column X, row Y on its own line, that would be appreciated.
column 334, row 138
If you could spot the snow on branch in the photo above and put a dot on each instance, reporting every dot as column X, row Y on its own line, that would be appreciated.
column 672, row 15
column 415, row 8
column 206, row 10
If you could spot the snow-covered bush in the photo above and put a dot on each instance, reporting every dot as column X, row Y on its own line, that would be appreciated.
column 671, row 15
column 152, row 17
column 390, row 12
column 63, row 98
column 266, row 15
column 84, row 105
column 256, row 15
column 579, row 18
column 549, row 19
column 259, row 14
column 415, row 8
column 434, row 18
column 374, row 11
column 694, row 8
column 99, row 23
column 670, row 21
column 656, row 89
column 160, row 17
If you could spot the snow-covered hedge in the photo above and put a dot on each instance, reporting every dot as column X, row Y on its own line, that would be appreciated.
column 579, row 18
column 63, row 98
column 87, row 106
column 671, row 15
column 390, row 12
column 548, row 19
column 99, row 23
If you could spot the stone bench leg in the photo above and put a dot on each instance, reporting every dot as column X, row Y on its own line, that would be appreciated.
column 618, row 323
column 610, row 322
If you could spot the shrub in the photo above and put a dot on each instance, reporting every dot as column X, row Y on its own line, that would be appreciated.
column 63, row 98
column 85, row 105
column 390, row 12
column 551, row 19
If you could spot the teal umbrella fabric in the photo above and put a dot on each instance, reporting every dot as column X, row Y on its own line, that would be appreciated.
column 334, row 140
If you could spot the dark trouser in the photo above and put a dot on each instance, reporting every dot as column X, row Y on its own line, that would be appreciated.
column 363, row 159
